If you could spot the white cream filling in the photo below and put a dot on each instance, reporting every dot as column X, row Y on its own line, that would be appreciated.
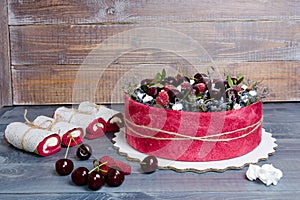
column 76, row 133
column 51, row 142
column 97, row 125
column 115, row 120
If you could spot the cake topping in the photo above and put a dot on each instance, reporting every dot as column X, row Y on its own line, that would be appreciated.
column 198, row 93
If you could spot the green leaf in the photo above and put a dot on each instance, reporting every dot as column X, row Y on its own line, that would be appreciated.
column 230, row 83
column 240, row 79
column 159, row 85
column 163, row 74
column 158, row 77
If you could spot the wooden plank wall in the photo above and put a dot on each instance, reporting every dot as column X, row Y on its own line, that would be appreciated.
column 5, row 78
column 51, row 40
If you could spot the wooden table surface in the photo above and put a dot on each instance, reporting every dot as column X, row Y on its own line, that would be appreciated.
column 27, row 176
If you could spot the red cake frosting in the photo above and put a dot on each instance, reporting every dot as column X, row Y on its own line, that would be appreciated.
column 192, row 136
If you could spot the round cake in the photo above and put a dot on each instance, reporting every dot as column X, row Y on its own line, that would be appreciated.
column 193, row 118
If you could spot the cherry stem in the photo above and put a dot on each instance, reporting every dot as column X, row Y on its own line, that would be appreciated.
column 97, row 167
column 76, row 143
column 67, row 149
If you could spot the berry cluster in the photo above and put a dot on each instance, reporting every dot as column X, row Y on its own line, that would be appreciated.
column 105, row 170
column 199, row 93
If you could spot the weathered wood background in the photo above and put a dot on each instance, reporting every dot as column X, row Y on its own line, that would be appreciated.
column 45, row 43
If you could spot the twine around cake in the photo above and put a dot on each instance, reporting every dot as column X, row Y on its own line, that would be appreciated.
column 209, row 138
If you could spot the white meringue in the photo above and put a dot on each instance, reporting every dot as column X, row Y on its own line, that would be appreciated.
column 147, row 98
column 267, row 174
column 252, row 172
column 177, row 106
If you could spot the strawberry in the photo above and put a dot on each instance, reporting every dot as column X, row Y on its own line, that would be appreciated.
column 162, row 98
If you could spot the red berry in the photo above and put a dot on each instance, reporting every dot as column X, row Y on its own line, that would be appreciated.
column 80, row 176
column 149, row 164
column 64, row 166
column 152, row 91
column 84, row 152
column 114, row 177
column 200, row 88
column 162, row 98
column 95, row 180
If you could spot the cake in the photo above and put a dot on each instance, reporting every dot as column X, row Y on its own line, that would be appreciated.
column 195, row 119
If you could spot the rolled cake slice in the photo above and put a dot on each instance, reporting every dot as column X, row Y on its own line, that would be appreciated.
column 93, row 126
column 66, row 130
column 113, row 118
column 32, row 139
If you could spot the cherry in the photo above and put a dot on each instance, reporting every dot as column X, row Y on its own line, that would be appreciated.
column 173, row 94
column 199, row 77
column 199, row 87
column 231, row 92
column 80, row 176
column 153, row 91
column 114, row 177
column 84, row 152
column 149, row 164
column 64, row 166
column 95, row 180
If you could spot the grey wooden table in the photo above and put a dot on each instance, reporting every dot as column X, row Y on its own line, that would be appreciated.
column 27, row 176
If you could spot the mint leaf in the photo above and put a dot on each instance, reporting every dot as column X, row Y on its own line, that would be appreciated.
column 163, row 74
column 230, row 83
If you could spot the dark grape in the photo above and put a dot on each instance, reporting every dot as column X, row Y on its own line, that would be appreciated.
column 114, row 177
column 95, row 180
column 64, row 166
column 80, row 176
column 149, row 164
column 84, row 152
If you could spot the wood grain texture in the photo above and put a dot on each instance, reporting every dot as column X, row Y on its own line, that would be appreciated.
column 25, row 175
column 122, row 11
column 224, row 41
column 5, row 78
column 56, row 83
column 51, row 40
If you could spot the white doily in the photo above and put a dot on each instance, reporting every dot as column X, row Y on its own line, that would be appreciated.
column 261, row 152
